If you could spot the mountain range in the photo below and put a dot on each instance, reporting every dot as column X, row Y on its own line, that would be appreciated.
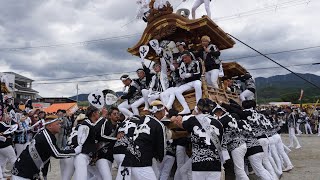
column 278, row 88
column 287, row 88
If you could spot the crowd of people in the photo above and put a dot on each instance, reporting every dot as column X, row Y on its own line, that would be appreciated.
column 213, row 136
column 147, row 147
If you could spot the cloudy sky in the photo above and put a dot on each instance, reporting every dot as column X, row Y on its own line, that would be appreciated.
column 40, row 39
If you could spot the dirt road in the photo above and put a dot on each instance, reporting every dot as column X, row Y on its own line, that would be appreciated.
column 306, row 160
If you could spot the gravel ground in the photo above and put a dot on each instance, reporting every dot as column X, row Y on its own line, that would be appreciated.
column 306, row 160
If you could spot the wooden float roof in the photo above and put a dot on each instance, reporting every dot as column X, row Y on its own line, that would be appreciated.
column 174, row 27
column 232, row 69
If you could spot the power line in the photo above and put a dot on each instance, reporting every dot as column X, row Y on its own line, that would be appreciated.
column 113, row 79
column 67, row 82
column 227, row 59
column 243, row 14
column 274, row 61
column 230, row 59
column 72, row 44
column 273, row 67
column 283, row 5
column 80, row 77
column 272, row 53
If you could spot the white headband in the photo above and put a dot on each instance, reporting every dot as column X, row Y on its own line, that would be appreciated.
column 155, row 109
column 217, row 107
column 52, row 121
column 123, row 79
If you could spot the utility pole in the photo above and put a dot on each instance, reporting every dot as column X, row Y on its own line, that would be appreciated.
column 1, row 101
column 77, row 93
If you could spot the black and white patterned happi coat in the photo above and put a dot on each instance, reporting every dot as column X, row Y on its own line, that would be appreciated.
column 145, row 140
column 232, row 136
column 205, row 156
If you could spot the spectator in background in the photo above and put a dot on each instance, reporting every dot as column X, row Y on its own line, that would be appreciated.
column 62, row 135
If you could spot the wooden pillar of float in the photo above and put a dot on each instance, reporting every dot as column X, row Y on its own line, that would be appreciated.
column 205, row 93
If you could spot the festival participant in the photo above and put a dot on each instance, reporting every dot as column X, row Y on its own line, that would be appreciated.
column 182, row 47
column 306, row 120
column 298, row 122
column 86, row 139
column 233, row 140
column 210, row 55
column 271, row 160
column 62, row 136
column 206, row 136
column 38, row 123
column 168, row 160
column 119, row 148
column 158, row 84
column 144, row 76
column 106, row 137
column 21, row 135
column 28, row 105
column 251, row 131
column 276, row 142
column 196, row 5
column 250, row 91
column 132, row 98
column 183, row 170
column 128, row 126
column 7, row 154
column 145, row 140
column 36, row 157
column 291, row 119
column 167, row 97
column 67, row 164
column 190, row 71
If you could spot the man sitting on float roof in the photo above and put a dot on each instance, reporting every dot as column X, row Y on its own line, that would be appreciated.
column 190, row 71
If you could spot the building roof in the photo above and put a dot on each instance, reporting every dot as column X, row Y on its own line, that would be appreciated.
column 57, row 99
column 55, row 107
column 25, row 89
column 19, row 77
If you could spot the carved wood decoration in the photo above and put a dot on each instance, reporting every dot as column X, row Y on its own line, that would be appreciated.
column 176, row 28
column 164, row 32
column 156, row 13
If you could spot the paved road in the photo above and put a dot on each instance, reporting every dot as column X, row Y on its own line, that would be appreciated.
column 306, row 160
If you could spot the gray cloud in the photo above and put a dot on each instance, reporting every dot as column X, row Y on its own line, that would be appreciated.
column 38, row 22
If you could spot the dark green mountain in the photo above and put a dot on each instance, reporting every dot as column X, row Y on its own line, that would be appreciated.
column 287, row 88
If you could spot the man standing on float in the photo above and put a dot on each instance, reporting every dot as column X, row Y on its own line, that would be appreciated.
column 197, row 3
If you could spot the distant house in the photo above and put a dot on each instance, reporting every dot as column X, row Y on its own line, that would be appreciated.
column 56, row 100
column 22, row 88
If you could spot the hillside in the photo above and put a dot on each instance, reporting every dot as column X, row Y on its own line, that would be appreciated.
column 287, row 88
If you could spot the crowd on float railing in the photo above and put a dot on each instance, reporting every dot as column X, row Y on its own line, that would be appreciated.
column 144, row 147
column 178, row 71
